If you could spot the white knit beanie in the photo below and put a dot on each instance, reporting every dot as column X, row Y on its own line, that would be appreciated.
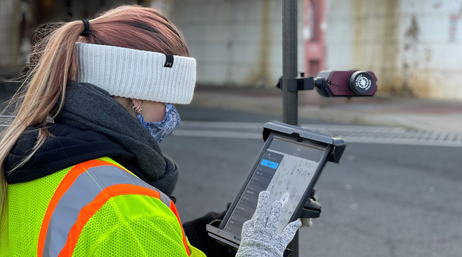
column 137, row 74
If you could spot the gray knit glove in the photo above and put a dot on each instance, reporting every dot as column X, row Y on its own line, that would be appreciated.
column 259, row 237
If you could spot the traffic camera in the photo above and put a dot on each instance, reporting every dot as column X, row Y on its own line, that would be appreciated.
column 354, row 83
column 346, row 83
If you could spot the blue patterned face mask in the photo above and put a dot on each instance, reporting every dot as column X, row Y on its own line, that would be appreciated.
column 160, row 130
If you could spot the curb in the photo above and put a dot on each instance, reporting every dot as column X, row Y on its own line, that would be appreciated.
column 359, row 114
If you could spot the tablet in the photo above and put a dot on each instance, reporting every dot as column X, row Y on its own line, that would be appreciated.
column 288, row 167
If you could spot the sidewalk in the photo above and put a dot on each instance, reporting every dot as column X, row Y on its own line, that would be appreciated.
column 382, row 109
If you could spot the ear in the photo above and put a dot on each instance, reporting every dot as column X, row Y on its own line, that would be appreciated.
column 137, row 105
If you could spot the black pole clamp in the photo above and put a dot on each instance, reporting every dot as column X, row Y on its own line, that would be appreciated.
column 297, row 84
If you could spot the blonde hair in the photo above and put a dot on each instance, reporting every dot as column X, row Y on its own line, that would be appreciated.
column 41, row 95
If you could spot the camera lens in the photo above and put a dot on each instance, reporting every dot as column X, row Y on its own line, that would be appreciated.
column 361, row 82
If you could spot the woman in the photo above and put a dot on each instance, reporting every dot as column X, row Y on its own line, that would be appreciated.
column 94, row 182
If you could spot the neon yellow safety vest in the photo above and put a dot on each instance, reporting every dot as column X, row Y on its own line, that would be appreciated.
column 95, row 208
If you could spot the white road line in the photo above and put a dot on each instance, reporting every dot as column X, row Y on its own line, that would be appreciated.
column 350, row 133
column 259, row 126
column 356, row 140
column 343, row 130
column 411, row 142
column 316, row 127
column 217, row 134
column 221, row 124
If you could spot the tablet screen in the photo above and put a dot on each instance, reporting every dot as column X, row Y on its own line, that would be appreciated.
column 285, row 170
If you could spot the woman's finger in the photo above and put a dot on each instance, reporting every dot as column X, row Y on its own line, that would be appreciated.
column 289, row 231
column 273, row 219
column 261, row 212
column 247, row 228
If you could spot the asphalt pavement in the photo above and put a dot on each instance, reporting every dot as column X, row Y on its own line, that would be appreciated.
column 396, row 191
column 381, row 200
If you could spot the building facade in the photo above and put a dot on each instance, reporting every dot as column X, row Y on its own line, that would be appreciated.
column 19, row 20
column 413, row 46
column 235, row 42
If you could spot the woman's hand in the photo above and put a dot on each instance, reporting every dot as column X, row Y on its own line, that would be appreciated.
column 259, row 237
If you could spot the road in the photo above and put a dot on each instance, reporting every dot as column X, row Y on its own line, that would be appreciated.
column 396, row 192
column 385, row 198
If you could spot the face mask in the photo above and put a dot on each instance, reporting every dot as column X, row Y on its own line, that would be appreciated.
column 160, row 130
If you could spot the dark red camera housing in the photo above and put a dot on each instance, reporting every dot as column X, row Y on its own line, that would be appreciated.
column 352, row 83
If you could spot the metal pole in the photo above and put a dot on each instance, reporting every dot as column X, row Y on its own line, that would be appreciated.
column 289, row 60
column 289, row 70
column 294, row 246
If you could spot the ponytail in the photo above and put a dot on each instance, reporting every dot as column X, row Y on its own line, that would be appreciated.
column 42, row 94
column 43, row 88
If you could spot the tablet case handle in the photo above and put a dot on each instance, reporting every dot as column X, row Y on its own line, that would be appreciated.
column 311, row 210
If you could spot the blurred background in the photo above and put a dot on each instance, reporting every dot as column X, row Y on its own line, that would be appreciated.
column 411, row 45
column 397, row 190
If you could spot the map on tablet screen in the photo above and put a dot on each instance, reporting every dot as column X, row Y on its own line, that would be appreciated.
column 285, row 170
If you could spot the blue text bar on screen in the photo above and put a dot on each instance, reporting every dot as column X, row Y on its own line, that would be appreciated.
column 269, row 164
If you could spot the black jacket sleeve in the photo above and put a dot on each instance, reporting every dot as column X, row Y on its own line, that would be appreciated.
column 199, row 238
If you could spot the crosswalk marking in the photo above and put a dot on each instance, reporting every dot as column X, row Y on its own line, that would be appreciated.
column 350, row 133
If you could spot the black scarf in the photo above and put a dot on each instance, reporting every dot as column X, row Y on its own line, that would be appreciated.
column 88, row 107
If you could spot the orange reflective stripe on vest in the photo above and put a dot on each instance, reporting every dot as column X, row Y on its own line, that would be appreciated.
column 185, row 242
column 71, row 207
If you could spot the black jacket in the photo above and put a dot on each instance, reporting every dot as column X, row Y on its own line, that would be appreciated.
column 67, row 147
